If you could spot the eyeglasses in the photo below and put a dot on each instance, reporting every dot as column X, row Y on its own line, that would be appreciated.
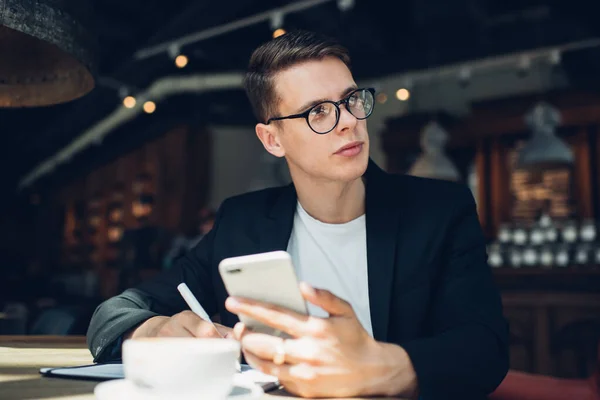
column 323, row 117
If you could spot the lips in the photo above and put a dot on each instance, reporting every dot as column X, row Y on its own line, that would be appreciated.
column 351, row 149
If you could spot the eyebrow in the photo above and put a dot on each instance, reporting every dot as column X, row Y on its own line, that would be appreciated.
column 315, row 102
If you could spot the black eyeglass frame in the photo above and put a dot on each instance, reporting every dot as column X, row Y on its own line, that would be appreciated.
column 337, row 104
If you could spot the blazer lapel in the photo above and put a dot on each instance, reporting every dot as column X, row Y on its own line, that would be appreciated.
column 277, row 227
column 382, row 222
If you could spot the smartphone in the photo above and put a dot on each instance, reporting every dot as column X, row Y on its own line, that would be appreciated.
column 266, row 277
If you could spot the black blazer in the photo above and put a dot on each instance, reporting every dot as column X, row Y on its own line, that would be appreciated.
column 430, row 287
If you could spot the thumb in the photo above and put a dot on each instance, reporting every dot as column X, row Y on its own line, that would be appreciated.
column 326, row 300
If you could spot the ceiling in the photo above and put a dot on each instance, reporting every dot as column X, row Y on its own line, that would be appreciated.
column 383, row 37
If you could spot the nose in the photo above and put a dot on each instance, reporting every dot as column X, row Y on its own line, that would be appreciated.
column 347, row 121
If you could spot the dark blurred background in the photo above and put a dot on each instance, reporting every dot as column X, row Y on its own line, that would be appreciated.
column 110, row 188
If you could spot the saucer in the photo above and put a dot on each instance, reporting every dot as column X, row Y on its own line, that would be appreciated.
column 121, row 389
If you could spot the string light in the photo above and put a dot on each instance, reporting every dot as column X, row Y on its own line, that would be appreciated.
column 149, row 107
column 129, row 102
column 403, row 94
column 181, row 61
column 381, row 98
column 277, row 24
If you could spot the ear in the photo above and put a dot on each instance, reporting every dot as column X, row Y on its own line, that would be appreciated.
column 269, row 137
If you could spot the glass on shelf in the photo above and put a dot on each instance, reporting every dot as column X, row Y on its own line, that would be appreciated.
column 495, row 255
column 545, row 221
column 520, row 235
column 562, row 257
column 537, row 235
column 548, row 229
column 569, row 232
column 551, row 234
column 530, row 256
column 515, row 257
column 583, row 254
column 546, row 257
column 587, row 230
column 505, row 234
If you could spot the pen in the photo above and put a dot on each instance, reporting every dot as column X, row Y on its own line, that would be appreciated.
column 195, row 306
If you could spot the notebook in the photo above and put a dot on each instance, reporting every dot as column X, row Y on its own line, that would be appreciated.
column 109, row 371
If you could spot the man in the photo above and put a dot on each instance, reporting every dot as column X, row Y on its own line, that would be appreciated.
column 406, row 304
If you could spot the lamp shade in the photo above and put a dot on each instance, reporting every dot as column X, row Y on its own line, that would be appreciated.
column 544, row 149
column 433, row 163
column 46, row 52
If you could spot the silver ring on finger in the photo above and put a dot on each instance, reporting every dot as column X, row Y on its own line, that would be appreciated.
column 279, row 356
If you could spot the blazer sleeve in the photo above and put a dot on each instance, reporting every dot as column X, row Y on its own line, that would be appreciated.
column 466, row 355
column 158, row 296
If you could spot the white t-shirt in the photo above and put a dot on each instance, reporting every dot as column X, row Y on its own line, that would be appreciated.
column 333, row 257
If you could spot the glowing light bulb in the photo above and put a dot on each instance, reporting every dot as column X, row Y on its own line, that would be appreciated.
column 129, row 102
column 149, row 107
column 403, row 94
column 278, row 32
column 181, row 61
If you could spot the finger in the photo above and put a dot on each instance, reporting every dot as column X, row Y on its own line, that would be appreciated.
column 304, row 350
column 224, row 331
column 174, row 329
column 326, row 300
column 296, row 379
column 239, row 330
column 267, row 366
column 206, row 330
column 276, row 317
column 197, row 326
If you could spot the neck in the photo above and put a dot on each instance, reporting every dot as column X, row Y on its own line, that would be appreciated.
column 331, row 202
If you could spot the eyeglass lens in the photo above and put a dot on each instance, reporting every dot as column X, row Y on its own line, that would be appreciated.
column 324, row 116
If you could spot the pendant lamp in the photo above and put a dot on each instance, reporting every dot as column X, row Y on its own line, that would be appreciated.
column 544, row 150
column 46, row 52
column 433, row 162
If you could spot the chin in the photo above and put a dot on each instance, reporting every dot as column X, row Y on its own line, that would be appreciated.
column 352, row 169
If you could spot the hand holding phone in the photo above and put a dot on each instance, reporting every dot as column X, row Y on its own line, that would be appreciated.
column 265, row 277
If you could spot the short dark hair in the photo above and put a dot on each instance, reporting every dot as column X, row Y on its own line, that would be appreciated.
column 278, row 54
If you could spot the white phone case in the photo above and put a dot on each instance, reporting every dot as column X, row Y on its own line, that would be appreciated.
column 266, row 277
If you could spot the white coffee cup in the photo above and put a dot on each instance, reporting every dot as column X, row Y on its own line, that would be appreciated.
column 181, row 367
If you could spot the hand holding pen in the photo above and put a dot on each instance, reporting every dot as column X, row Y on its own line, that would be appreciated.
column 189, row 323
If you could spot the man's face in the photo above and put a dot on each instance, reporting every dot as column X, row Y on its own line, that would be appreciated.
column 319, row 156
